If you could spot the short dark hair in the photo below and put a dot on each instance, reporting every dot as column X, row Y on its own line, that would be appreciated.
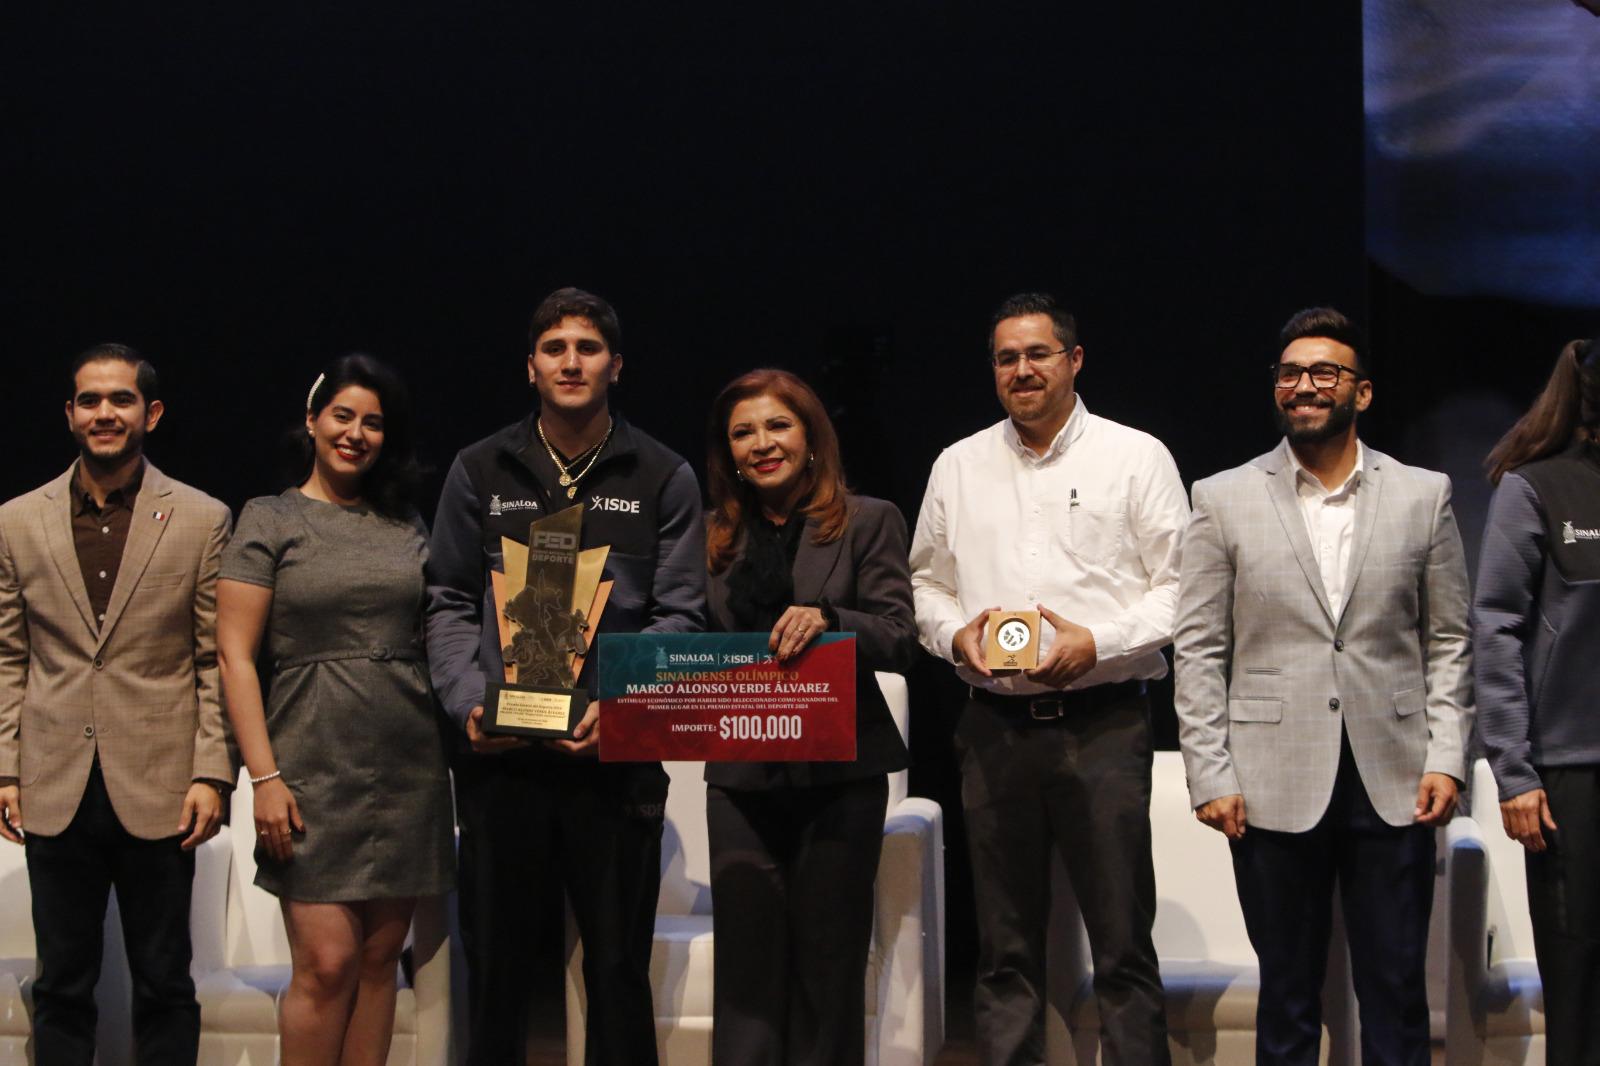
column 575, row 303
column 1062, row 322
column 390, row 485
column 144, row 374
column 1328, row 323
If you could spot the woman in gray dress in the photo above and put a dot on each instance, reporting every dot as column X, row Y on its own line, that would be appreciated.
column 352, row 798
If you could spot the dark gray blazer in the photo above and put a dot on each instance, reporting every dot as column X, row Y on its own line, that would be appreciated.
column 866, row 578
column 1534, row 620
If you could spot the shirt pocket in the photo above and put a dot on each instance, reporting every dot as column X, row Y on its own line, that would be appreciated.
column 1093, row 529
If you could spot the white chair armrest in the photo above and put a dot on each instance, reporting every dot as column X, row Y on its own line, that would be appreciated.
column 430, row 981
column 208, row 906
column 908, row 935
column 1467, row 877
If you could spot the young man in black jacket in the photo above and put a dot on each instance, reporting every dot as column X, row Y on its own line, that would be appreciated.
column 528, row 810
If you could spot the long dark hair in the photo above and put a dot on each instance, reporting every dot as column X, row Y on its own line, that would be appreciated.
column 390, row 485
column 1567, row 410
column 732, row 498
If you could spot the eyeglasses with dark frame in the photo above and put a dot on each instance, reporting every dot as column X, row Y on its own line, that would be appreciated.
column 1006, row 358
column 1323, row 375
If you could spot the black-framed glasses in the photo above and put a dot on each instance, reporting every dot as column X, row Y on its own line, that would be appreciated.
column 1323, row 375
column 1006, row 358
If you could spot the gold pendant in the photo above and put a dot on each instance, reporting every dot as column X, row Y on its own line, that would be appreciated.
column 571, row 492
column 566, row 479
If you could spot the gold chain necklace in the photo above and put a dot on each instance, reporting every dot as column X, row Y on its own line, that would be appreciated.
column 568, row 479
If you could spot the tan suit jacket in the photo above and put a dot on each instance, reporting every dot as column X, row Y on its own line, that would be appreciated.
column 141, row 688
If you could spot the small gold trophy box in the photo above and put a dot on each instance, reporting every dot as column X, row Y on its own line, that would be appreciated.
column 1012, row 641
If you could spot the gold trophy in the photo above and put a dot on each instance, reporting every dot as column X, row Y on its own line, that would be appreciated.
column 547, row 604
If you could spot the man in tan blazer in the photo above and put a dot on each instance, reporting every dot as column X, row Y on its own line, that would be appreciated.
column 112, row 758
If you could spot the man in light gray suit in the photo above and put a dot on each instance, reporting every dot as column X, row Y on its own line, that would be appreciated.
column 1324, row 696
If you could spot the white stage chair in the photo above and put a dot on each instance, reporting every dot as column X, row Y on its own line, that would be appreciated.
column 1207, row 964
column 1495, row 1013
column 905, row 967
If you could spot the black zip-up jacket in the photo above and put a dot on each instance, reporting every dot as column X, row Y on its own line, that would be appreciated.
column 640, row 498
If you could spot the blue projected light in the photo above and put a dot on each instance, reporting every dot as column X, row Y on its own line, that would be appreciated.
column 1483, row 147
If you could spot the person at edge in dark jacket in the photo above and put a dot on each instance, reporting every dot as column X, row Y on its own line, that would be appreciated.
column 534, row 810
column 1534, row 621
column 794, row 846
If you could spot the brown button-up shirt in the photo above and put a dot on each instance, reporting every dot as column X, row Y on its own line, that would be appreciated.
column 100, row 533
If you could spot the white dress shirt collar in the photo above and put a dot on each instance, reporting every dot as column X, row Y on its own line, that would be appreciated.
column 1304, row 476
column 1069, row 432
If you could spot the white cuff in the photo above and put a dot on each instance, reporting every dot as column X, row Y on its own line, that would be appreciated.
column 1107, row 641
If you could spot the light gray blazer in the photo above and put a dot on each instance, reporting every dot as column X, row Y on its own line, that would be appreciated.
column 1267, row 676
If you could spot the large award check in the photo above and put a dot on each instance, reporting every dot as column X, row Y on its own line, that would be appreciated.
column 720, row 697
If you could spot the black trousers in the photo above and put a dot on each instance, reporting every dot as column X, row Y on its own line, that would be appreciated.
column 1564, row 902
column 595, row 828
column 1385, row 879
column 71, row 876
column 792, row 878
column 1078, row 785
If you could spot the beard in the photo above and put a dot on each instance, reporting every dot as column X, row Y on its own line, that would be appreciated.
column 102, row 459
column 1341, row 416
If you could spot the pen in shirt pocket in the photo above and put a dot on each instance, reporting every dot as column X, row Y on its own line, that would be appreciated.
column 1072, row 505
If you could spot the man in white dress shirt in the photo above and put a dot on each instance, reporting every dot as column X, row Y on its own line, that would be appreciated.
column 1324, row 696
column 1080, row 517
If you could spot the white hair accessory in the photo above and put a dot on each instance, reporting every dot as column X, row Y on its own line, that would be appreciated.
column 315, row 385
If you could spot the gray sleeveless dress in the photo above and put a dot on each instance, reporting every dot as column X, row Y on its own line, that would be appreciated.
column 349, row 711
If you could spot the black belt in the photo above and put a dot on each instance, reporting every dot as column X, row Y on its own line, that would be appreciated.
column 380, row 653
column 1051, row 705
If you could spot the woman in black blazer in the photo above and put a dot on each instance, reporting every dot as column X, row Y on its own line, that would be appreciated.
column 794, row 846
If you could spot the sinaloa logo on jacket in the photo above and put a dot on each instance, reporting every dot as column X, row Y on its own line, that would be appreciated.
column 1570, row 535
column 498, row 507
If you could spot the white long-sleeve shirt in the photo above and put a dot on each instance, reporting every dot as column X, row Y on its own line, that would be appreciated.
column 1090, row 529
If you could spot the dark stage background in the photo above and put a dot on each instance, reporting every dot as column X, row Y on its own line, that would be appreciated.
column 244, row 193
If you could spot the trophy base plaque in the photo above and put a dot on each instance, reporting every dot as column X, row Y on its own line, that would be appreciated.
column 533, row 710
column 1013, row 642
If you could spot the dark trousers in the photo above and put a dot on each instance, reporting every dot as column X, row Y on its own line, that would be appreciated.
column 597, row 829
column 792, row 877
column 1564, row 902
column 1078, row 785
column 71, row 876
column 1385, row 879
